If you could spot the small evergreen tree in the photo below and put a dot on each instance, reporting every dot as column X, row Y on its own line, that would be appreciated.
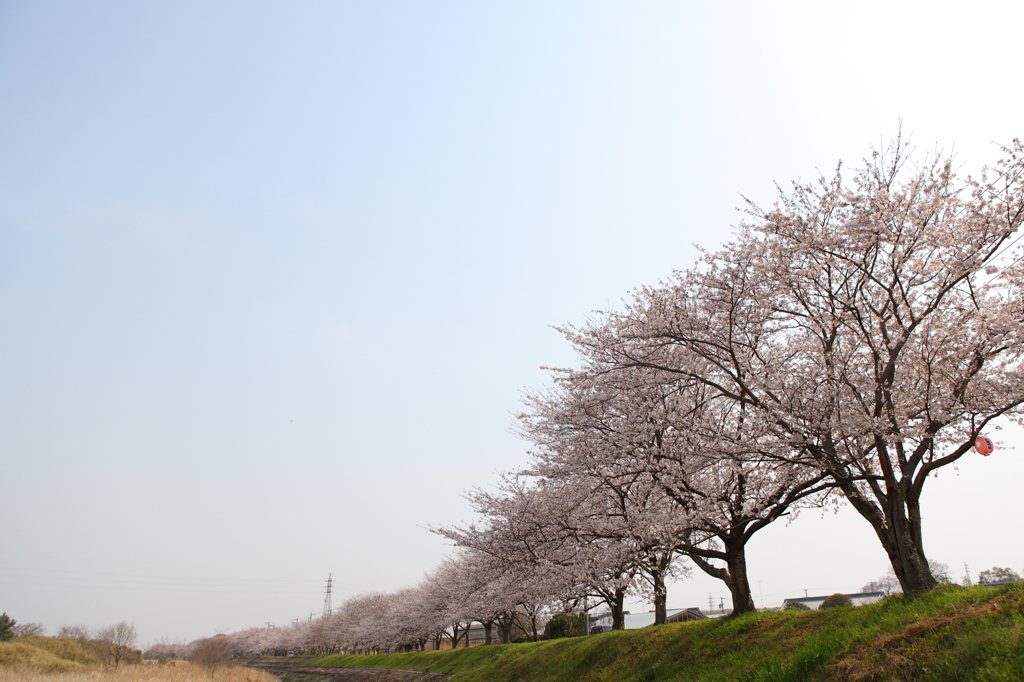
column 565, row 625
column 6, row 628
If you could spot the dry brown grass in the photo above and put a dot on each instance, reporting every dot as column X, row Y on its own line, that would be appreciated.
column 63, row 648
column 181, row 672
column 27, row 657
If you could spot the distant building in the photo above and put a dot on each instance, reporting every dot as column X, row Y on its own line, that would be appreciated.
column 635, row 621
column 684, row 615
column 858, row 599
column 477, row 634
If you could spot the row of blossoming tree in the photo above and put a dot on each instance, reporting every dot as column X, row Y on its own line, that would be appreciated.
column 846, row 344
column 509, row 601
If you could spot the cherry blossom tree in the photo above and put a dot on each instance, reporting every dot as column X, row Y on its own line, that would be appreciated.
column 449, row 590
column 488, row 592
column 687, row 472
column 874, row 326
column 249, row 642
column 533, row 531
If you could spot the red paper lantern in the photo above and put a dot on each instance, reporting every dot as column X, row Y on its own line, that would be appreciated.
column 984, row 446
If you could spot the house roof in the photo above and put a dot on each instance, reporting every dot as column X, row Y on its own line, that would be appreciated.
column 635, row 621
column 858, row 598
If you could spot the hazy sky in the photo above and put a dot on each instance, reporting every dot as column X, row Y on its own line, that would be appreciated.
column 273, row 275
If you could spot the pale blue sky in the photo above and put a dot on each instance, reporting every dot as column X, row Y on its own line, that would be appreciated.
column 272, row 275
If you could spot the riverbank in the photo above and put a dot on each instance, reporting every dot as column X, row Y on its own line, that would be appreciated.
column 951, row 633
column 300, row 670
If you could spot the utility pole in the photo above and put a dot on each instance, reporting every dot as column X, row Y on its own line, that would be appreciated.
column 327, row 597
column 711, row 606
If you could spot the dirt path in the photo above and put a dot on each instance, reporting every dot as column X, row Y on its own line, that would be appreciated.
column 292, row 670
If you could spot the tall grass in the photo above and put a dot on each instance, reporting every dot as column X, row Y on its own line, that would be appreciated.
column 182, row 672
column 63, row 648
column 53, row 659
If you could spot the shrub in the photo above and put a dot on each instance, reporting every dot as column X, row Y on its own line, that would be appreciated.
column 212, row 652
column 565, row 625
column 997, row 575
column 26, row 629
column 835, row 601
column 796, row 606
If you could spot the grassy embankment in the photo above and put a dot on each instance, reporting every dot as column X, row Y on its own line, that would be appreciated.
column 50, row 659
column 951, row 633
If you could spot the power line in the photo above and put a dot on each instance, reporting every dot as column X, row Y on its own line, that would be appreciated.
column 32, row 572
column 96, row 580
column 150, row 588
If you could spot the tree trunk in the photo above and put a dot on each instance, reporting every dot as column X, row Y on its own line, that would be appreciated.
column 739, row 585
column 660, row 609
column 505, row 623
column 660, row 591
column 617, row 606
column 907, row 557
column 734, row 575
column 487, row 631
column 898, row 527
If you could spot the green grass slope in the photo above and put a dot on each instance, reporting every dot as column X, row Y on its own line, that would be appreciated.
column 951, row 633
